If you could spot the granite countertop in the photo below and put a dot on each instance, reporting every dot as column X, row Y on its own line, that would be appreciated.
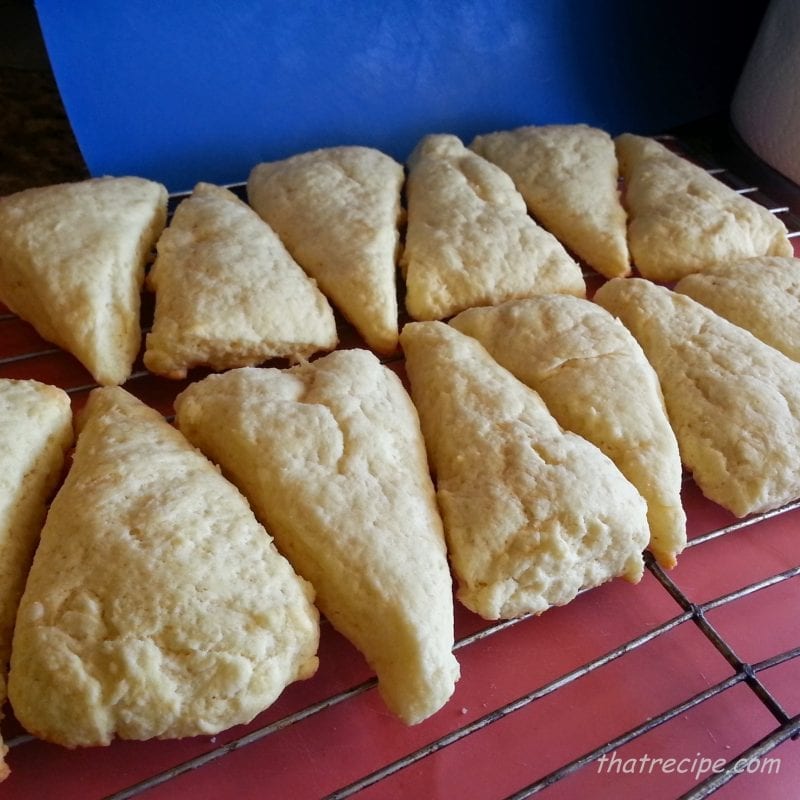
column 36, row 142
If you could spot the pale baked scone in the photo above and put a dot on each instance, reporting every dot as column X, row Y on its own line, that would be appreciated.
column 338, row 212
column 470, row 241
column 733, row 401
column 759, row 294
column 532, row 513
column 568, row 176
column 331, row 457
column 683, row 220
column 72, row 260
column 35, row 433
column 156, row 606
column 595, row 380
column 228, row 294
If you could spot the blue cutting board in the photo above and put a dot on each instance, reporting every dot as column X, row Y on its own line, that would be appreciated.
column 184, row 91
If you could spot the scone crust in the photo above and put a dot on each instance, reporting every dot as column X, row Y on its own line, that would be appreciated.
column 331, row 457
column 733, row 401
column 759, row 294
column 35, row 433
column 470, row 241
column 568, row 175
column 683, row 220
column 338, row 211
column 532, row 513
column 595, row 380
column 156, row 605
column 72, row 260
column 228, row 294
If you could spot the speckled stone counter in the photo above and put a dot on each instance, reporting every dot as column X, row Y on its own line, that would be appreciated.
column 36, row 142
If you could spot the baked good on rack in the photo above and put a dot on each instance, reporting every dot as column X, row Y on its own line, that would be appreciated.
column 568, row 176
column 72, row 260
column 331, row 457
column 228, row 294
column 759, row 294
column 470, row 241
column 595, row 380
column 532, row 513
column 338, row 211
column 683, row 220
column 156, row 605
column 35, row 433
column 733, row 401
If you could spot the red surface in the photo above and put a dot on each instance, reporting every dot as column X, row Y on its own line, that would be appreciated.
column 476, row 755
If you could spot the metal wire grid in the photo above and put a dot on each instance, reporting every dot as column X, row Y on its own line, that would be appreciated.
column 787, row 726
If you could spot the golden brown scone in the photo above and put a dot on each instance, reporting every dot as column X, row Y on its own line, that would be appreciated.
column 72, row 260
column 733, row 401
column 228, row 294
column 532, row 513
column 338, row 211
column 156, row 605
column 331, row 458
column 568, row 176
column 35, row 433
column 759, row 294
column 595, row 380
column 682, row 220
column 470, row 241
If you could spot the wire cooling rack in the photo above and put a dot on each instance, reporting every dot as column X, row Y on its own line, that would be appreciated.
column 685, row 685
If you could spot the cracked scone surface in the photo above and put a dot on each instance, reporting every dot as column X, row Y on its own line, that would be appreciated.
column 72, row 260
column 35, row 433
column 331, row 457
column 759, row 294
column 568, row 176
column 470, row 241
column 338, row 211
column 683, row 220
column 733, row 401
column 595, row 380
column 156, row 605
column 532, row 513
column 228, row 294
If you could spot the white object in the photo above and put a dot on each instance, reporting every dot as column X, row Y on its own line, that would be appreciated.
column 766, row 105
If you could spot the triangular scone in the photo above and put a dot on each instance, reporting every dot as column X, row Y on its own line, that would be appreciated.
column 35, row 433
column 156, row 605
column 733, row 401
column 532, row 513
column 338, row 211
column 568, row 176
column 683, row 220
column 759, row 294
column 228, row 294
column 72, row 260
column 331, row 457
column 595, row 380
column 470, row 241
